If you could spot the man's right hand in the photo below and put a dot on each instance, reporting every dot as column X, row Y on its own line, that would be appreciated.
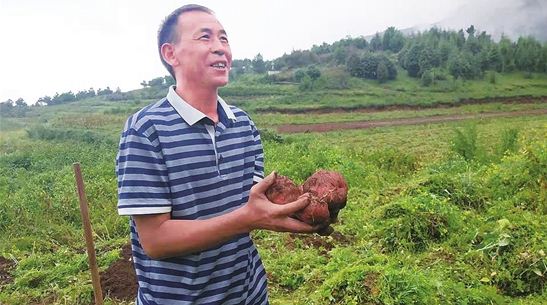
column 261, row 213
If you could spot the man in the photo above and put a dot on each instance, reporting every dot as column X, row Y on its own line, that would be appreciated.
column 186, row 168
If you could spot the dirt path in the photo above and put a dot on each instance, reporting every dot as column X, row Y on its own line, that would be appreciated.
column 324, row 127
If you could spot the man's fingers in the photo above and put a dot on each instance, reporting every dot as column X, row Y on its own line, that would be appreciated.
column 296, row 205
column 297, row 226
column 263, row 185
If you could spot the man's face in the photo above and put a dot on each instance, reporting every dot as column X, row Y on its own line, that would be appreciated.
column 203, row 53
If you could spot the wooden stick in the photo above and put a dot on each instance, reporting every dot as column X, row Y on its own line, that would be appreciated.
column 88, row 234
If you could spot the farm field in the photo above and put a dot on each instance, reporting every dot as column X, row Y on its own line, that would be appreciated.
column 438, row 213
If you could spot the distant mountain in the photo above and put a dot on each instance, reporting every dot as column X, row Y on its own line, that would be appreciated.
column 514, row 18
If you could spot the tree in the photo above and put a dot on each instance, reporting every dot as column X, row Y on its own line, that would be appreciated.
column 464, row 65
column 43, row 101
column 412, row 59
column 306, row 84
column 258, row 64
column 156, row 82
column 353, row 65
column 168, row 80
column 11, row 109
column 381, row 72
column 528, row 54
column 427, row 78
column 313, row 73
column 393, row 40
column 299, row 75
column 340, row 55
column 507, row 51
column 367, row 66
column 376, row 43
column 495, row 61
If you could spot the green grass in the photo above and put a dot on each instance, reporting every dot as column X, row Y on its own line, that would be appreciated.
column 268, row 120
column 423, row 224
column 402, row 91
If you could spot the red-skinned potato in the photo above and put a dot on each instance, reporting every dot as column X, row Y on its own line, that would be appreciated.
column 328, row 194
column 330, row 187
column 283, row 190
column 315, row 213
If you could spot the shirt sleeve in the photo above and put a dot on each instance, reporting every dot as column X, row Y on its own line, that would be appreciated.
column 259, row 155
column 143, row 183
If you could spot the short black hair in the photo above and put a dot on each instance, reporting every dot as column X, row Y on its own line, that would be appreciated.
column 168, row 29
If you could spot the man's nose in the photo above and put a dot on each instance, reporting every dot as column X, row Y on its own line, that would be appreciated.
column 217, row 47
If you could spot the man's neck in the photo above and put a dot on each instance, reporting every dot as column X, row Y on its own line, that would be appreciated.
column 204, row 100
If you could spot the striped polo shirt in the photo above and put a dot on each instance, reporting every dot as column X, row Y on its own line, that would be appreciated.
column 173, row 159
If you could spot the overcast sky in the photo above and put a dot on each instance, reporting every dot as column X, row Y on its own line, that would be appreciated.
column 61, row 45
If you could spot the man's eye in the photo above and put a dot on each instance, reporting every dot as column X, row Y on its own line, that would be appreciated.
column 224, row 39
column 204, row 37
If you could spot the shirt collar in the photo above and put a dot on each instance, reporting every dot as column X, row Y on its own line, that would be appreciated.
column 190, row 114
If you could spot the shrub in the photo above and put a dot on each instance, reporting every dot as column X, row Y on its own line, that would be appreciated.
column 271, row 135
column 427, row 78
column 393, row 284
column 64, row 134
column 492, row 77
column 509, row 141
column 464, row 142
column 456, row 181
column 521, row 178
column 394, row 160
column 515, row 251
column 412, row 223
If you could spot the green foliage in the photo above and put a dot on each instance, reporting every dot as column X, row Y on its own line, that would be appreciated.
column 382, row 73
column 369, row 65
column 427, row 78
column 464, row 65
column 306, row 84
column 520, row 178
column 394, row 160
column 464, row 142
column 492, row 77
column 413, row 223
column 511, row 248
column 271, row 135
column 459, row 183
column 11, row 109
column 313, row 73
column 299, row 75
column 393, row 40
column 258, row 64
column 509, row 141
column 63, row 134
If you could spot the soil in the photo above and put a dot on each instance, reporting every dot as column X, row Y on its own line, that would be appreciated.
column 323, row 243
column 119, row 280
column 378, row 108
column 6, row 265
column 324, row 127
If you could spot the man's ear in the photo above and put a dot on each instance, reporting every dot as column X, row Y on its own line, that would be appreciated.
column 168, row 54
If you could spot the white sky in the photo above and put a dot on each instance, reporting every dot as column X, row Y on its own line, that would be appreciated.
column 61, row 45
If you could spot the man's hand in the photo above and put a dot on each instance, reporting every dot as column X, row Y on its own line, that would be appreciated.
column 264, row 214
